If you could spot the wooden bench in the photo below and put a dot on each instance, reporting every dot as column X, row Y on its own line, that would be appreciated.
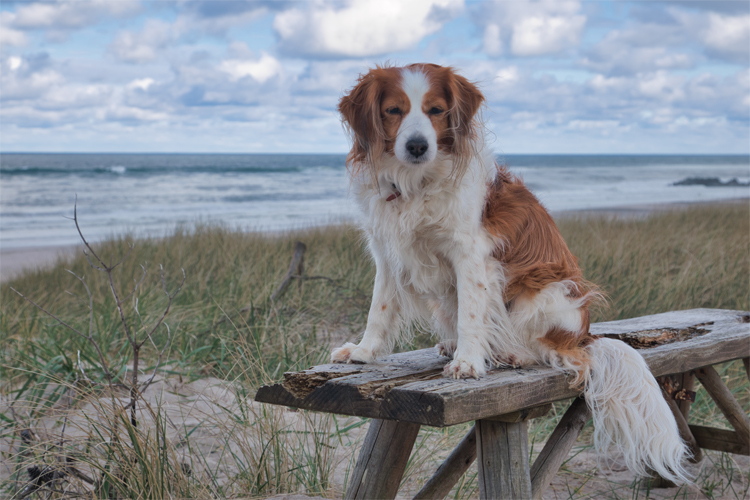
column 407, row 390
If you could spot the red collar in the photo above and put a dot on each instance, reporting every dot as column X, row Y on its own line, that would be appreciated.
column 396, row 193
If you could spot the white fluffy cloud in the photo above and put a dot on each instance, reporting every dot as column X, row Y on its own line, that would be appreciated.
column 531, row 28
column 361, row 27
column 260, row 69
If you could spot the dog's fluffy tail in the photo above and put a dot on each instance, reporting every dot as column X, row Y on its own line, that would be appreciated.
column 630, row 412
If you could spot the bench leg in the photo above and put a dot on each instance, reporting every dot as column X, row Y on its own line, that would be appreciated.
column 451, row 470
column 680, row 409
column 558, row 446
column 503, row 460
column 726, row 402
column 382, row 460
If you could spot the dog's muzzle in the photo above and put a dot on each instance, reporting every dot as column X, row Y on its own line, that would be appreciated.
column 417, row 146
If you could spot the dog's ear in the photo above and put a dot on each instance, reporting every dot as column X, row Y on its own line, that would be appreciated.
column 465, row 100
column 360, row 111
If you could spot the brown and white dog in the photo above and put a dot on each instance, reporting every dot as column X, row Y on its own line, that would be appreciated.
column 462, row 246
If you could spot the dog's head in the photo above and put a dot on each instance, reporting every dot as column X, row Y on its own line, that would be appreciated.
column 411, row 113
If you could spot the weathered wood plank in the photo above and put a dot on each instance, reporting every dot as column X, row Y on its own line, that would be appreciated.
column 726, row 402
column 719, row 440
column 503, row 460
column 558, row 446
column 382, row 460
column 451, row 470
column 409, row 386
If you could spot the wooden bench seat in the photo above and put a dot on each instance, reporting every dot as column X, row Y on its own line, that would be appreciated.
column 406, row 390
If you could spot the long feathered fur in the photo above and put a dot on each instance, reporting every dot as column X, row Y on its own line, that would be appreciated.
column 463, row 246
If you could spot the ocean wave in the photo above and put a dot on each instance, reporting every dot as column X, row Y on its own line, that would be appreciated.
column 147, row 171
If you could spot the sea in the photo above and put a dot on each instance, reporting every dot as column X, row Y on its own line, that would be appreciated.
column 151, row 195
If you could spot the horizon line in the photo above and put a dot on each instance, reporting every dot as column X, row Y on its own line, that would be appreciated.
column 344, row 153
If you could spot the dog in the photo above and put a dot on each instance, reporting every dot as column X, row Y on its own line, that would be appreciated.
column 462, row 247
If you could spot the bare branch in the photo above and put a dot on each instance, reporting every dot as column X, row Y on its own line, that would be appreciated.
column 182, row 283
column 88, row 258
column 80, row 233
column 137, row 284
column 127, row 254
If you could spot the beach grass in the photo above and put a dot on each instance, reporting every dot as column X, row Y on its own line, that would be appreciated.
column 224, row 328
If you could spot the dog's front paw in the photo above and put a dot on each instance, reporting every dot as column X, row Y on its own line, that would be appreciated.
column 352, row 353
column 465, row 368
column 446, row 348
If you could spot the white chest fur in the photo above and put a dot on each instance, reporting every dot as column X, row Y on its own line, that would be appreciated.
column 418, row 236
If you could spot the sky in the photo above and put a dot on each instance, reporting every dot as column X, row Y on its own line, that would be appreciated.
column 215, row 76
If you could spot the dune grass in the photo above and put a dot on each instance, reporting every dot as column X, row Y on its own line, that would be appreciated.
column 223, row 326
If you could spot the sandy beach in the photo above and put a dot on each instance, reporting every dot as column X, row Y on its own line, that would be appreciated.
column 14, row 261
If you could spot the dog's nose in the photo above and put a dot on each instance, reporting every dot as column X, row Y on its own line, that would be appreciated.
column 416, row 146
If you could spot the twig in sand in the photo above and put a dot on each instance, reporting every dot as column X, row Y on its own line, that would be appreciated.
column 298, row 263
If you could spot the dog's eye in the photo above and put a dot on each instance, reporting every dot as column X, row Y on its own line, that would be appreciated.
column 435, row 111
column 393, row 111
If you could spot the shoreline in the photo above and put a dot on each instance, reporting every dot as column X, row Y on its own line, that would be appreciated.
column 15, row 261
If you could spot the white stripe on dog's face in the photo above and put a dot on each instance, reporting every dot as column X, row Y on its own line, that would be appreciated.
column 416, row 141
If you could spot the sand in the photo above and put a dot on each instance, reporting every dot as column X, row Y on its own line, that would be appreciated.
column 15, row 261
column 229, row 433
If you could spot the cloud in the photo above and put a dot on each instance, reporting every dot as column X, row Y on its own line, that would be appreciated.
column 216, row 17
column 260, row 69
column 143, row 46
column 723, row 36
column 360, row 28
column 530, row 28
column 206, row 75
column 638, row 48
column 9, row 35
column 726, row 6
column 672, row 38
column 59, row 18
column 28, row 78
